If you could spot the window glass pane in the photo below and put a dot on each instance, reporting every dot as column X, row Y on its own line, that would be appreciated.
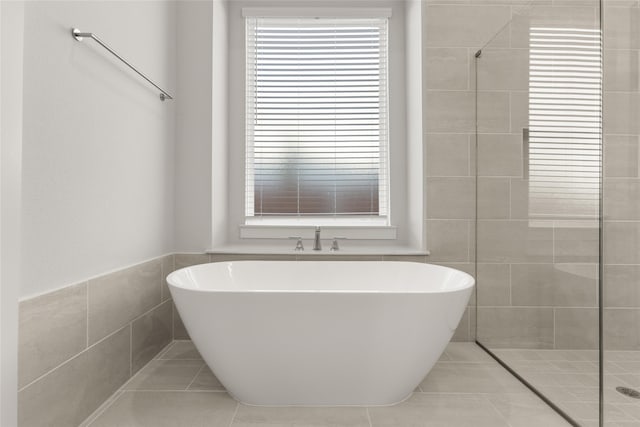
column 317, row 125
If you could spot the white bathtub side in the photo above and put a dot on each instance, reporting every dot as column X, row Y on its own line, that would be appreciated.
column 320, row 348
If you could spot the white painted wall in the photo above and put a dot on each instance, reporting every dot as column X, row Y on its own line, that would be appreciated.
column 194, row 125
column 416, row 208
column 98, row 147
column 220, row 118
column 11, row 29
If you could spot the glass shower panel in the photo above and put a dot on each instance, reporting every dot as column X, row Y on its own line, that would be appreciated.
column 621, row 214
column 538, row 198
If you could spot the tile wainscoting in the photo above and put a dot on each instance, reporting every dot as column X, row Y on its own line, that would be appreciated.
column 79, row 344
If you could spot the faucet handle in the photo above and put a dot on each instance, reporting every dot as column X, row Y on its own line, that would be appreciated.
column 334, row 244
column 299, row 245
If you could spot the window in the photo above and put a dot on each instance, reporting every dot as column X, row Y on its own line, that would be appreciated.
column 565, row 123
column 363, row 177
column 317, row 122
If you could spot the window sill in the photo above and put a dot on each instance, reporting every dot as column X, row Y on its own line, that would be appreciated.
column 328, row 232
column 289, row 250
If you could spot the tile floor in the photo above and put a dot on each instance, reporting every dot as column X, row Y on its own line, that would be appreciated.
column 570, row 379
column 465, row 388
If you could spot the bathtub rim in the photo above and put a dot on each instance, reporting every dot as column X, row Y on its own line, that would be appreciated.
column 466, row 282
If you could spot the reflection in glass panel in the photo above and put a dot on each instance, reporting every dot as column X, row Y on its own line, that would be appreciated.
column 564, row 122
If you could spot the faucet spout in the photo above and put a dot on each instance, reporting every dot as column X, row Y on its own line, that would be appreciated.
column 316, row 241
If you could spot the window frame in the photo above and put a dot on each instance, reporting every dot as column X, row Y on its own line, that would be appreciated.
column 406, row 232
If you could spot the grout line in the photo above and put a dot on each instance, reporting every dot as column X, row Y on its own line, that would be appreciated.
column 150, row 390
column 164, row 350
column 469, row 240
column 510, row 197
column 470, row 144
column 71, row 358
column 87, row 307
column 183, row 359
column 130, row 349
column 511, row 115
column 233, row 417
column 470, row 52
column 147, row 312
column 368, row 416
column 510, row 284
column 101, row 410
column 194, row 377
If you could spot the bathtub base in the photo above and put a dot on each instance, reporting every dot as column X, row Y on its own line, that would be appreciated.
column 320, row 333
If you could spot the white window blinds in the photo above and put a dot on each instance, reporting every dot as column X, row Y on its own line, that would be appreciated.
column 565, row 75
column 316, row 117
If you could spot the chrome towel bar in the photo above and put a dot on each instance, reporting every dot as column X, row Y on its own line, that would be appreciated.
column 79, row 35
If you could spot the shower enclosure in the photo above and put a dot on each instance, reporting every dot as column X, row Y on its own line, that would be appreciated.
column 558, row 205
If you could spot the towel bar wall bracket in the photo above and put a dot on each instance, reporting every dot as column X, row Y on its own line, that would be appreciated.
column 79, row 36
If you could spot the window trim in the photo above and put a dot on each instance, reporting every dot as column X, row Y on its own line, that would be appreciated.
column 316, row 12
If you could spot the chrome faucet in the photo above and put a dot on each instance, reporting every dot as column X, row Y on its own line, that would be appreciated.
column 299, row 245
column 334, row 245
column 316, row 241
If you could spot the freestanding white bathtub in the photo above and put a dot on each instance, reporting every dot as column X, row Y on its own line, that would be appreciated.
column 320, row 332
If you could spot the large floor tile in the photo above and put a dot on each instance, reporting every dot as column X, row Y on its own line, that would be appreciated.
column 438, row 410
column 526, row 410
column 467, row 352
column 206, row 380
column 459, row 377
column 300, row 416
column 168, row 409
column 569, row 378
column 465, row 388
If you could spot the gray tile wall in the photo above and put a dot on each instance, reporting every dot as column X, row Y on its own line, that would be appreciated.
column 621, row 274
column 79, row 344
column 621, row 177
column 454, row 31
